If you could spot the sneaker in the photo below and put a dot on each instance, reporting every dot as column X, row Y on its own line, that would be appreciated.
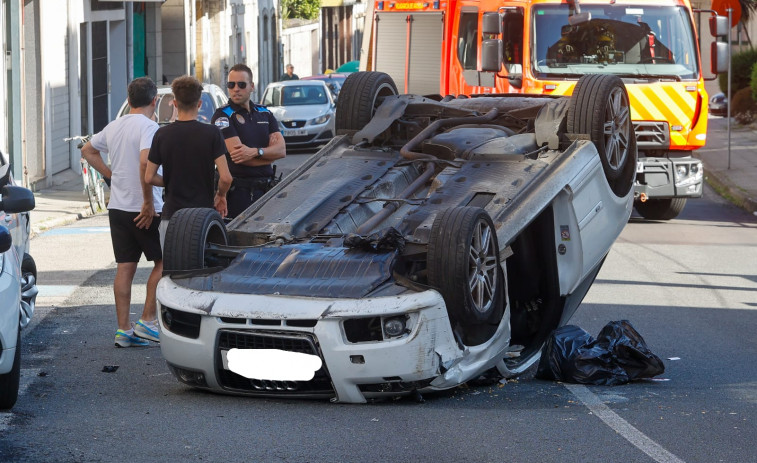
column 126, row 339
column 147, row 330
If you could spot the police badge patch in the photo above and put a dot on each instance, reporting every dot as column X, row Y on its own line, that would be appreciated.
column 240, row 118
column 222, row 123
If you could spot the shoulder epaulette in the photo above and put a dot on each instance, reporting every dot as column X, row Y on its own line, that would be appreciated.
column 261, row 109
column 227, row 110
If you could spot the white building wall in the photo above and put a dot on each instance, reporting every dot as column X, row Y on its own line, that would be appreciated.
column 54, row 39
column 300, row 49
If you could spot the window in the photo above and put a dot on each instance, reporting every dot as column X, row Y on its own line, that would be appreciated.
column 467, row 40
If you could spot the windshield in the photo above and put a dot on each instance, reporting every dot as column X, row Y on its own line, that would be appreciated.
column 294, row 95
column 631, row 41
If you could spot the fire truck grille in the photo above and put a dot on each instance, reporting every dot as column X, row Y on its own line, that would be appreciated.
column 652, row 134
column 319, row 386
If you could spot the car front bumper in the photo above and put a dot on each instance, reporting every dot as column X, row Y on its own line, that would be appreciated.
column 425, row 357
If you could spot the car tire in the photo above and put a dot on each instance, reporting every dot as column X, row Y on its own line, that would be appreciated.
column 660, row 209
column 463, row 265
column 359, row 97
column 189, row 234
column 600, row 108
column 10, row 381
column 29, row 289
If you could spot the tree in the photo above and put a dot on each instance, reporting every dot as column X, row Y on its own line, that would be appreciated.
column 304, row 9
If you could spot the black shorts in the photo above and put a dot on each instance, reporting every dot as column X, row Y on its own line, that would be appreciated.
column 129, row 242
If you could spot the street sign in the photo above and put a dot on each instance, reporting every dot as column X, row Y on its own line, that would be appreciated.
column 722, row 5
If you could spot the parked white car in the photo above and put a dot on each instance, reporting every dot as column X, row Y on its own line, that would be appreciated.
column 213, row 97
column 305, row 111
column 18, row 280
column 432, row 242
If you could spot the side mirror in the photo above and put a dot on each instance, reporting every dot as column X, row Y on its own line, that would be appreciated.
column 719, row 26
column 718, row 57
column 5, row 239
column 579, row 18
column 491, row 23
column 16, row 199
column 491, row 55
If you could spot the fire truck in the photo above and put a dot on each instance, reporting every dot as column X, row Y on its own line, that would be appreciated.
column 471, row 47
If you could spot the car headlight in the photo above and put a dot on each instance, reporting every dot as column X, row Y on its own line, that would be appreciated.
column 320, row 119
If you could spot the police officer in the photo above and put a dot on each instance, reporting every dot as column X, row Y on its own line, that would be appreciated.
column 253, row 141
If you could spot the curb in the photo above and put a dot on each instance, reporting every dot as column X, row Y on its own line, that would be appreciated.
column 724, row 188
column 45, row 225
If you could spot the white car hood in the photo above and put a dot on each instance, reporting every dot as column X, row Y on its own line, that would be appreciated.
column 301, row 112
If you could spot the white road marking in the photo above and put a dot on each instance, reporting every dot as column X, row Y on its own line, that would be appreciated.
column 621, row 426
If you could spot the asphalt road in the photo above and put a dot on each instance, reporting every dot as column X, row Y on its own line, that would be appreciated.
column 689, row 286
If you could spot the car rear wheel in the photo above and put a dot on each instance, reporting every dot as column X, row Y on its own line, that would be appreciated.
column 599, row 107
column 189, row 236
column 463, row 265
column 361, row 94
column 9, row 382
column 660, row 209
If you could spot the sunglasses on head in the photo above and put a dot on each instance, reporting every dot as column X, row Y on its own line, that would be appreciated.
column 241, row 85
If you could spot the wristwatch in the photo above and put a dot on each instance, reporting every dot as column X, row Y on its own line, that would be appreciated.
column 260, row 153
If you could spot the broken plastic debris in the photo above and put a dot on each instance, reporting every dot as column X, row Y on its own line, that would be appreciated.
column 674, row 358
column 374, row 419
column 110, row 368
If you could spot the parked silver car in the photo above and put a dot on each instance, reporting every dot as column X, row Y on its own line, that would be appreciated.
column 213, row 97
column 305, row 110
column 18, row 277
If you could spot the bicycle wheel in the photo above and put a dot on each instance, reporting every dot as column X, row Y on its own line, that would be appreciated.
column 92, row 189
column 100, row 191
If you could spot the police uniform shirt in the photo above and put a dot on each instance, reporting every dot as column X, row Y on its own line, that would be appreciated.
column 253, row 129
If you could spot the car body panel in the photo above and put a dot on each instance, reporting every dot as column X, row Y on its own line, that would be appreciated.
column 11, row 316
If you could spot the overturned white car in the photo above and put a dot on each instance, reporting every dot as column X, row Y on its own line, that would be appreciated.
column 436, row 239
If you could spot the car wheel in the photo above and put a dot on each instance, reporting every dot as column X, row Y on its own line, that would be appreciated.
column 660, row 209
column 191, row 232
column 9, row 382
column 463, row 265
column 29, row 289
column 599, row 107
column 359, row 97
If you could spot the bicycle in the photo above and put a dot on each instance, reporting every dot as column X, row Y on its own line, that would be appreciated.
column 93, row 180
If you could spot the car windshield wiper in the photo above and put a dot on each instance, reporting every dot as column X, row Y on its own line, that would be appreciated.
column 644, row 75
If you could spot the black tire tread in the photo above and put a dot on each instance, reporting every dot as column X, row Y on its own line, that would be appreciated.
column 587, row 111
column 354, row 108
column 10, row 381
column 660, row 209
column 447, row 260
column 184, row 246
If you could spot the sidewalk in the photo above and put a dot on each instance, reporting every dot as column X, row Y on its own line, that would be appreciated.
column 739, row 183
column 66, row 202
column 63, row 203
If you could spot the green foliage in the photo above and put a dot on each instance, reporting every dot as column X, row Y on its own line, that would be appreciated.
column 741, row 71
column 753, row 82
column 744, row 108
column 303, row 9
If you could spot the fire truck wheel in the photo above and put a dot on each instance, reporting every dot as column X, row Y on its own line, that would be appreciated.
column 190, row 234
column 600, row 108
column 463, row 264
column 359, row 97
column 660, row 209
